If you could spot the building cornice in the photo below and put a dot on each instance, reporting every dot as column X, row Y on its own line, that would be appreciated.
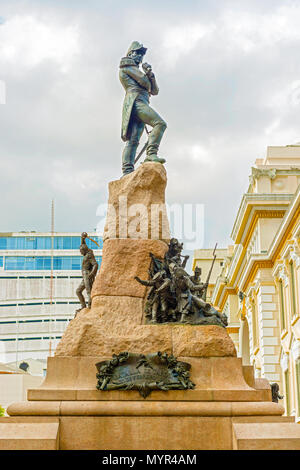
column 275, row 202
column 284, row 232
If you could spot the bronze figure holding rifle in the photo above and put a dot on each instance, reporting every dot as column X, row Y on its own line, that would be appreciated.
column 89, row 271
column 174, row 295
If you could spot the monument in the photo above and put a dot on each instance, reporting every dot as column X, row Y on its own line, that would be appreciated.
column 147, row 363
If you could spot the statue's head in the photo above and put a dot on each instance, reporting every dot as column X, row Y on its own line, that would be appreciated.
column 136, row 52
column 83, row 249
column 198, row 271
column 179, row 272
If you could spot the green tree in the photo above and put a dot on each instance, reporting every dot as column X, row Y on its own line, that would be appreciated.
column 2, row 411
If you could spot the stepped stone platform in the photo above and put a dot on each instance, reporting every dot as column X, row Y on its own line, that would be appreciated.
column 220, row 413
column 266, row 436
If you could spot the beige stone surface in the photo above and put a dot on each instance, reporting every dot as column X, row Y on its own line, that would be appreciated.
column 111, row 329
column 156, row 433
column 132, row 204
column 37, row 408
column 122, row 260
column 248, row 372
column 266, row 436
column 206, row 426
column 148, row 407
column 202, row 341
column 174, row 395
column 150, row 433
column 29, row 436
column 213, row 373
column 114, row 324
column 263, row 419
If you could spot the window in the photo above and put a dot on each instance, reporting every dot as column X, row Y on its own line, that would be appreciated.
column 43, row 263
column 75, row 241
column 45, row 243
column 3, row 243
column 67, row 243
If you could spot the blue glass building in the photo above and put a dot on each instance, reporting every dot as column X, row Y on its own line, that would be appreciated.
column 35, row 305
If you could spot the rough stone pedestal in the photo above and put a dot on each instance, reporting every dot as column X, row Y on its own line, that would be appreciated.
column 226, row 393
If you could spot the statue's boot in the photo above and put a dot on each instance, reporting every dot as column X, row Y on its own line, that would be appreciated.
column 154, row 158
column 152, row 151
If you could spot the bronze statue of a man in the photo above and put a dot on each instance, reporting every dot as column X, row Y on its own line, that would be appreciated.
column 89, row 271
column 136, row 110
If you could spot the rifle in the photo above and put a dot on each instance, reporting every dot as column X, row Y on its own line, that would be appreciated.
column 209, row 274
column 84, row 235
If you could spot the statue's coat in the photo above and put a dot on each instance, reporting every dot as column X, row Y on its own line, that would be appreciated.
column 136, row 84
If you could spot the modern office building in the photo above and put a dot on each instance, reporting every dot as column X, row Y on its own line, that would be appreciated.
column 39, row 274
column 259, row 284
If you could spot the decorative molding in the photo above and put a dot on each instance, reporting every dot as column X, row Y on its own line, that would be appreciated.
column 251, row 200
column 295, row 349
column 282, row 274
column 294, row 256
column 258, row 173
column 267, row 264
column 272, row 214
column 284, row 362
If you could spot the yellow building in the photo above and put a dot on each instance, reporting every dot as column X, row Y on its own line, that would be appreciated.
column 259, row 284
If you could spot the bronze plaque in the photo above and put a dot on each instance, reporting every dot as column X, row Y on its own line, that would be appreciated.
column 130, row 371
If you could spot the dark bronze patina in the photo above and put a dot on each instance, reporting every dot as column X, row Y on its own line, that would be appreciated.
column 174, row 295
column 89, row 271
column 137, row 112
column 275, row 392
column 129, row 371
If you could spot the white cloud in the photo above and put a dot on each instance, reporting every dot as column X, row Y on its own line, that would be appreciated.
column 76, row 183
column 249, row 31
column 27, row 41
column 182, row 39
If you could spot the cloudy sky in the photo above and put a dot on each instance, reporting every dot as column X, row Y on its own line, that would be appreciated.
column 229, row 78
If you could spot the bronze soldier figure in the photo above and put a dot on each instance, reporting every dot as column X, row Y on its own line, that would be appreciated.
column 157, row 296
column 136, row 113
column 175, row 296
column 199, row 286
column 89, row 271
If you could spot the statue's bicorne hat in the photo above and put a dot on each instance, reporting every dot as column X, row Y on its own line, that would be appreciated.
column 137, row 46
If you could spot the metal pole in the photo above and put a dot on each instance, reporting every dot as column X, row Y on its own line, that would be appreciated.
column 51, row 277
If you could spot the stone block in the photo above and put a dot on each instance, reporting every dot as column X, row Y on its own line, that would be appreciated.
column 133, row 205
column 146, row 432
column 266, row 436
column 29, row 436
column 202, row 341
column 122, row 260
